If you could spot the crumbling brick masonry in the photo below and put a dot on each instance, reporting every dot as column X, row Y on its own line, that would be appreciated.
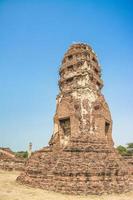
column 80, row 158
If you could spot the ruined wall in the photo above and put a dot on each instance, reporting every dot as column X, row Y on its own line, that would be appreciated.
column 129, row 160
column 12, row 164
column 8, row 160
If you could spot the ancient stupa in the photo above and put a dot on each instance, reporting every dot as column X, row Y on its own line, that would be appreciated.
column 80, row 158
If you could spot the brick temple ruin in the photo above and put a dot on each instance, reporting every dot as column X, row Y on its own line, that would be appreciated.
column 9, row 161
column 80, row 158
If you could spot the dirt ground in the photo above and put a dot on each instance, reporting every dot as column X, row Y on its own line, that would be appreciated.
column 10, row 190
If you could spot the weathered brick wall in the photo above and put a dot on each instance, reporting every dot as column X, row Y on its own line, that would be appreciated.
column 129, row 160
column 8, row 160
column 12, row 164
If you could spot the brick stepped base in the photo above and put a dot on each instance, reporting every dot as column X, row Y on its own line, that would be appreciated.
column 81, row 168
column 129, row 160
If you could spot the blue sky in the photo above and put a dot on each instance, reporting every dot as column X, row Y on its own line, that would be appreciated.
column 34, row 35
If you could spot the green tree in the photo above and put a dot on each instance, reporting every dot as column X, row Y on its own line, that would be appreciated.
column 130, row 145
column 122, row 150
column 130, row 148
column 22, row 154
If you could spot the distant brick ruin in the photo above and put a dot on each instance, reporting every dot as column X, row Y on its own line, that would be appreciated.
column 80, row 158
column 9, row 161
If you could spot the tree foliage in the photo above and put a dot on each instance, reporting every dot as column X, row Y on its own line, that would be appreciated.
column 22, row 154
column 122, row 150
column 128, row 150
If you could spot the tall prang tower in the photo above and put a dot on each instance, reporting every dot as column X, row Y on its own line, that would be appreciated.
column 81, row 109
column 80, row 158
